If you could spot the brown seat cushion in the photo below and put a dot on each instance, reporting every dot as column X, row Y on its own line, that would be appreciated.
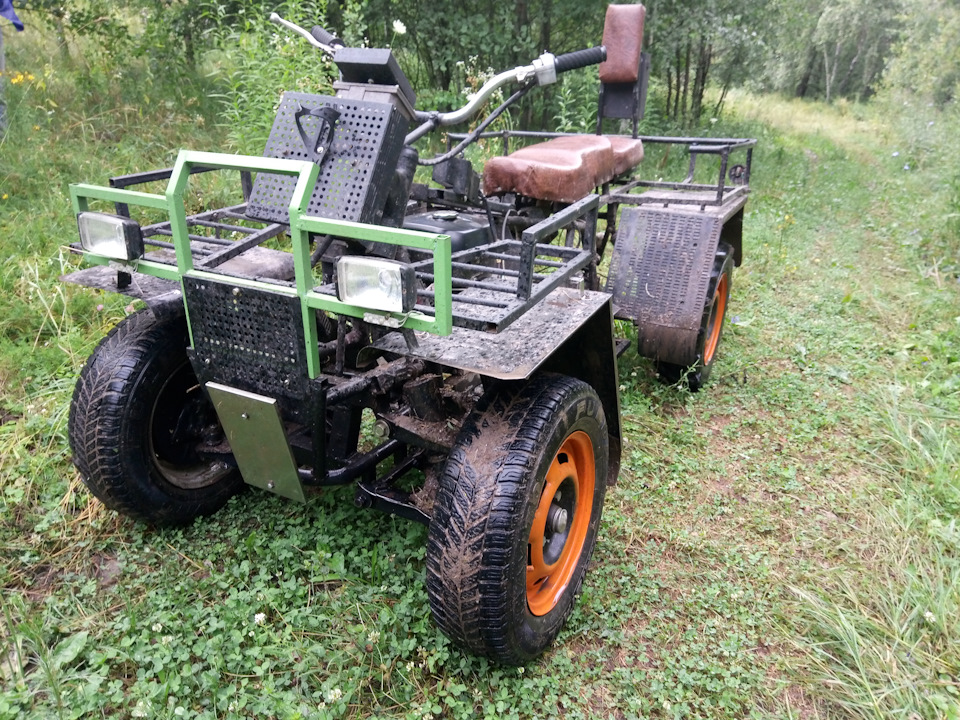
column 563, row 169
column 627, row 153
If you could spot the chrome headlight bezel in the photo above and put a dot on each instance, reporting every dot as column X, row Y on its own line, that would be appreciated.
column 111, row 236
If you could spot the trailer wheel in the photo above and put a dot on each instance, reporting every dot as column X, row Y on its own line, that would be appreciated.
column 711, row 326
column 516, row 517
column 137, row 416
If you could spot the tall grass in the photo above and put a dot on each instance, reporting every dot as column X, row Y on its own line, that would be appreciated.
column 259, row 61
column 887, row 644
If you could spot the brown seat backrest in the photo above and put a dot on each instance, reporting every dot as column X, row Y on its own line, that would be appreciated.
column 623, row 75
column 623, row 38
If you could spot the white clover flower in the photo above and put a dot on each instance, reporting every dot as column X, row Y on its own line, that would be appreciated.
column 140, row 710
column 410, row 666
column 259, row 618
column 399, row 28
column 929, row 617
column 156, row 627
column 334, row 694
column 374, row 636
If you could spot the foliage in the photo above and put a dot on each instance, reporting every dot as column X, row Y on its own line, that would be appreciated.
column 927, row 58
column 576, row 103
column 257, row 62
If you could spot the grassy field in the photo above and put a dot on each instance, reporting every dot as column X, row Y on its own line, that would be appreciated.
column 784, row 544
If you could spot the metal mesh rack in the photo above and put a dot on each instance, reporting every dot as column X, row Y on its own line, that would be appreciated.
column 495, row 284
column 205, row 247
column 488, row 281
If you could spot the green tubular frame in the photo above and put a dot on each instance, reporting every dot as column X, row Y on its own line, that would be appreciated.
column 301, row 225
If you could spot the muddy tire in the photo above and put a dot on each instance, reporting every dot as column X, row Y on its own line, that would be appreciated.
column 136, row 418
column 516, row 517
column 711, row 326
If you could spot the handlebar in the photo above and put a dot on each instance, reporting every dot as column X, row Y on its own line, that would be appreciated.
column 543, row 70
column 322, row 39
column 326, row 37
column 581, row 58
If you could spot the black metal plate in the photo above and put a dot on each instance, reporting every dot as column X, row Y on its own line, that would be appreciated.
column 357, row 170
column 247, row 339
column 659, row 275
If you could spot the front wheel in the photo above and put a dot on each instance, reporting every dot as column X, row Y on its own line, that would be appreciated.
column 711, row 326
column 516, row 517
column 137, row 419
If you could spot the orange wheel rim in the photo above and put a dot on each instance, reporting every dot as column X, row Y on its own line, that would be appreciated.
column 561, row 522
column 715, row 325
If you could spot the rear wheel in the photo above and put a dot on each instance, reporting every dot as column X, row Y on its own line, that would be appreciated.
column 137, row 418
column 711, row 326
column 516, row 517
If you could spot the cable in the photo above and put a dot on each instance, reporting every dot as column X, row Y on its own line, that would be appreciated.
column 479, row 129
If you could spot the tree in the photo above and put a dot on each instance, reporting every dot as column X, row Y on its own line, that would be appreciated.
column 926, row 59
column 693, row 42
column 833, row 48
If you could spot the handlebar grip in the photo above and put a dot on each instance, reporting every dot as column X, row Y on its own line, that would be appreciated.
column 325, row 36
column 581, row 58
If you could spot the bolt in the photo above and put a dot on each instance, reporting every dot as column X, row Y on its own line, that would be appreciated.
column 381, row 429
column 236, row 291
column 362, row 500
column 557, row 519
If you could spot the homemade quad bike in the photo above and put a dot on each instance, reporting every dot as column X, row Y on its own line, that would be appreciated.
column 470, row 317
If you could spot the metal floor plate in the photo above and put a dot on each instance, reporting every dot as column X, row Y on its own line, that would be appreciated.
column 515, row 352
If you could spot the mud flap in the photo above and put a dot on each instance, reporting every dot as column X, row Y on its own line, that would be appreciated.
column 258, row 441
column 659, row 274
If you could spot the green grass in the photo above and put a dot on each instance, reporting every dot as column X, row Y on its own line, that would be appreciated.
column 784, row 544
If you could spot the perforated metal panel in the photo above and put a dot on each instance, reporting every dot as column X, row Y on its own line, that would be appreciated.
column 248, row 339
column 356, row 172
column 659, row 275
